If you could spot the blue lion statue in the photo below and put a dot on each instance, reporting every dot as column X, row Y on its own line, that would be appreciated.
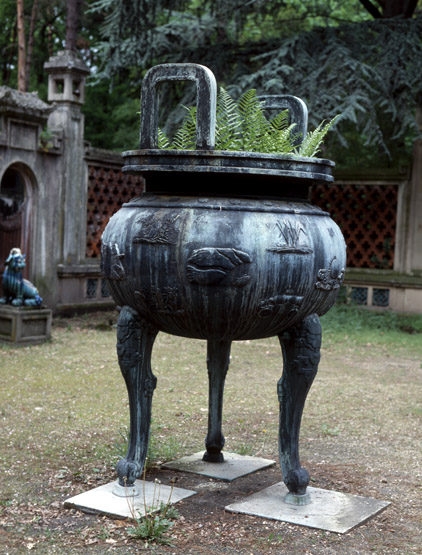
column 17, row 290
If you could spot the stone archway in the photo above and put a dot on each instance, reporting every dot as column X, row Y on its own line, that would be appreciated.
column 16, row 212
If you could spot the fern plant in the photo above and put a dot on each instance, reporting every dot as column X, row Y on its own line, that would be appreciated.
column 228, row 135
column 244, row 126
column 312, row 142
column 185, row 136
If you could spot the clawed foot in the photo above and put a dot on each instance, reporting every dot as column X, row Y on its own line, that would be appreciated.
column 297, row 481
column 216, row 457
column 128, row 471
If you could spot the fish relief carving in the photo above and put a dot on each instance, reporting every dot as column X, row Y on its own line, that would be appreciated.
column 112, row 262
column 291, row 236
column 159, row 230
column 330, row 278
column 212, row 266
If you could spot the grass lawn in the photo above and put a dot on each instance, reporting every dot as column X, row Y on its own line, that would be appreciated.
column 64, row 418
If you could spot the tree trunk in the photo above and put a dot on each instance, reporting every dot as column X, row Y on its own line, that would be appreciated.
column 399, row 8
column 72, row 21
column 30, row 42
column 390, row 8
column 7, row 64
column 21, row 46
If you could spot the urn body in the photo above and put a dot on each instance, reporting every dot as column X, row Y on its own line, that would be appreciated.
column 227, row 268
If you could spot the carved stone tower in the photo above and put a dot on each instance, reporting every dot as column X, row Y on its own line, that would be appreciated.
column 66, row 88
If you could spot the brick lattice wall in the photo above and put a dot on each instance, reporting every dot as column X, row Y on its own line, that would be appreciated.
column 367, row 216
column 108, row 189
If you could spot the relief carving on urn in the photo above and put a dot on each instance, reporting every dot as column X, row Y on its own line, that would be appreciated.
column 212, row 266
column 291, row 234
column 331, row 277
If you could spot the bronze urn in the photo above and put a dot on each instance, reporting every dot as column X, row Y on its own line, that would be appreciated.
column 222, row 246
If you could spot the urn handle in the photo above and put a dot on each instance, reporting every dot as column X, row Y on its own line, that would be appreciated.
column 206, row 95
column 298, row 111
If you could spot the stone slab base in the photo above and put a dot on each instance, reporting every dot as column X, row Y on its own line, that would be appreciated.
column 329, row 510
column 24, row 326
column 103, row 500
column 234, row 466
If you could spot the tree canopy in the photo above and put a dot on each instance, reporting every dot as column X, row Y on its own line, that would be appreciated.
column 359, row 59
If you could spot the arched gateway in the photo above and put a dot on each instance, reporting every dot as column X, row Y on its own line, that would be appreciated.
column 17, row 187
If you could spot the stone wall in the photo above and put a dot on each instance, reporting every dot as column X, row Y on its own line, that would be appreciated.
column 23, row 156
column 82, row 286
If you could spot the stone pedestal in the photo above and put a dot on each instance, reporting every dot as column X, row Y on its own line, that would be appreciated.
column 234, row 466
column 333, row 511
column 24, row 326
column 104, row 500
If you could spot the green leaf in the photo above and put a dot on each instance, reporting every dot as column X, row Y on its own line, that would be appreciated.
column 185, row 137
column 228, row 123
column 313, row 140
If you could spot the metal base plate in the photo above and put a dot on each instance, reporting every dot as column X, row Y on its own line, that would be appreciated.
column 234, row 466
column 329, row 510
column 103, row 500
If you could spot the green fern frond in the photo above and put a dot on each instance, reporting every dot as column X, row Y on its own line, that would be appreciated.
column 280, row 121
column 163, row 141
column 281, row 141
column 185, row 136
column 228, row 122
column 312, row 142
column 255, row 125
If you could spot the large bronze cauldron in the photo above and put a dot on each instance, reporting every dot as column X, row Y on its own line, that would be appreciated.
column 222, row 246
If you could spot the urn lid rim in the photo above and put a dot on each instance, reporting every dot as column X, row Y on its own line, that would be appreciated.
column 265, row 166
column 224, row 154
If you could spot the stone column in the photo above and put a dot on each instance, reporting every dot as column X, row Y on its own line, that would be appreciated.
column 414, row 227
column 406, row 293
column 66, row 88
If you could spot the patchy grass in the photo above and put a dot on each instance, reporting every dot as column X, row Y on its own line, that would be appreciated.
column 383, row 328
column 64, row 416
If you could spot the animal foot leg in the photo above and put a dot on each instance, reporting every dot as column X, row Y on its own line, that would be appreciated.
column 135, row 339
column 301, row 353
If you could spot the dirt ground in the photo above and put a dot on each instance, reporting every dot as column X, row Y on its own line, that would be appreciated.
column 204, row 527
column 361, row 436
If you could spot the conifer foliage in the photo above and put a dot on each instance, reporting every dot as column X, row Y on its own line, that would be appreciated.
column 365, row 67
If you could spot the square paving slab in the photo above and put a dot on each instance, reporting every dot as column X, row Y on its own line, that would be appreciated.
column 234, row 466
column 103, row 500
column 329, row 510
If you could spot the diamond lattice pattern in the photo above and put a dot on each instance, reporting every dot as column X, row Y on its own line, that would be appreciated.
column 108, row 189
column 367, row 216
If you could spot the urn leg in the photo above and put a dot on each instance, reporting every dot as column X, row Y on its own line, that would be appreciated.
column 135, row 339
column 218, row 360
column 301, row 353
